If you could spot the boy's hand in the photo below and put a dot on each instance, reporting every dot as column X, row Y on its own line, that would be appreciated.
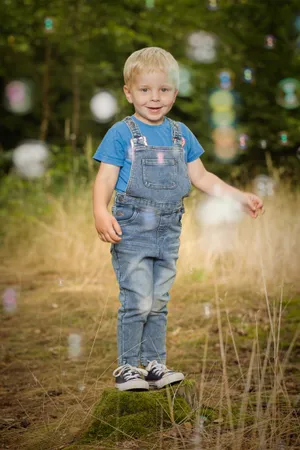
column 252, row 204
column 108, row 228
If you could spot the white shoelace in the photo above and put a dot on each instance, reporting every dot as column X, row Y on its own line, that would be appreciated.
column 131, row 372
column 157, row 368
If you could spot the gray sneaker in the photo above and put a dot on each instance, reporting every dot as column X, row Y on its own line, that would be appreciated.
column 129, row 378
column 160, row 376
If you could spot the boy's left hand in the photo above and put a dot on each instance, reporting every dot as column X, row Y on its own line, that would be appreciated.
column 252, row 204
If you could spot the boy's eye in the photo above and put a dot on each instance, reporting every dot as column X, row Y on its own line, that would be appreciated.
column 144, row 89
column 165, row 89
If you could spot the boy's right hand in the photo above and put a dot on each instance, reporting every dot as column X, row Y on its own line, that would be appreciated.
column 108, row 228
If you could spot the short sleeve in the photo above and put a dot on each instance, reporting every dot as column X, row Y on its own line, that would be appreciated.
column 193, row 147
column 112, row 149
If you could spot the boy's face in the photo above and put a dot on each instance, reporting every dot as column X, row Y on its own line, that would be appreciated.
column 152, row 94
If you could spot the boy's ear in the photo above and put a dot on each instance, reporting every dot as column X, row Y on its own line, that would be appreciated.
column 127, row 93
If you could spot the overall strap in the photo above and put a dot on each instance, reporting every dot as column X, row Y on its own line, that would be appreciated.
column 137, row 138
column 176, row 132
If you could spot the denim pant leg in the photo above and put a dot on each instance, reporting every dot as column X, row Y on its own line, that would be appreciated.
column 134, row 272
column 164, row 273
column 154, row 334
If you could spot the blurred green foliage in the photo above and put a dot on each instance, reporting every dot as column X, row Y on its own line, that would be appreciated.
column 87, row 49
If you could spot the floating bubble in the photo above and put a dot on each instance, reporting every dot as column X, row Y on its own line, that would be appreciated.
column 223, row 118
column 81, row 387
column 264, row 185
column 18, row 97
column 207, row 310
column 270, row 42
column 248, row 75
column 216, row 211
column 212, row 5
column 48, row 23
column 243, row 141
column 225, row 147
column 283, row 138
column 263, row 143
column 221, row 100
column 149, row 220
column 185, row 87
column 202, row 47
column 103, row 106
column 298, row 153
column 226, row 79
column 74, row 341
column 288, row 93
column 160, row 157
column 9, row 299
column 31, row 159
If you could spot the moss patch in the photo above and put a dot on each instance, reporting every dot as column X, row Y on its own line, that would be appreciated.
column 134, row 414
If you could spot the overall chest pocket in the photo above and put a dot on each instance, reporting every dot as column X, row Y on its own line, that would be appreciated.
column 160, row 175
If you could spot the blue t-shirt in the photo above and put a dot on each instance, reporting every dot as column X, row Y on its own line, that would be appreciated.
column 115, row 146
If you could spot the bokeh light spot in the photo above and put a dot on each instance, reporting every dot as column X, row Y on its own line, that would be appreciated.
column 103, row 106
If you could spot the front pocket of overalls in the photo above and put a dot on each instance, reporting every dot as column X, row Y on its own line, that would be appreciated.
column 160, row 175
column 124, row 213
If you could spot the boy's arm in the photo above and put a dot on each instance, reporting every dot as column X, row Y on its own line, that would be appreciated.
column 105, row 182
column 213, row 185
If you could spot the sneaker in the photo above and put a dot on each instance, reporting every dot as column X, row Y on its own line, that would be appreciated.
column 130, row 378
column 160, row 376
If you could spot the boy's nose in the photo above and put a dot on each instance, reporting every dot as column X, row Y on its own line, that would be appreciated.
column 155, row 96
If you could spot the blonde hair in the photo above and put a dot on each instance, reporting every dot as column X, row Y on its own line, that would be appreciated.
column 151, row 59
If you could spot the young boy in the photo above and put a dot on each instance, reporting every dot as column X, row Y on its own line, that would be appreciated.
column 151, row 162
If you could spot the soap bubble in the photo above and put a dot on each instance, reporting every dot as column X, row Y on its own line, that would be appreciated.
column 48, row 24
column 103, row 106
column 223, row 118
column 9, row 299
column 270, row 41
column 298, row 153
column 185, row 87
column 248, row 75
column 226, row 79
column 31, row 159
column 216, row 211
column 201, row 47
column 18, row 96
column 225, row 147
column 74, row 341
column 288, row 93
column 221, row 100
column 207, row 310
column 243, row 141
column 263, row 143
column 264, row 185
column 149, row 220
column 160, row 157
column 283, row 138
column 212, row 5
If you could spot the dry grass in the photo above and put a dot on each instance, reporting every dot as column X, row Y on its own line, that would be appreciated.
column 243, row 355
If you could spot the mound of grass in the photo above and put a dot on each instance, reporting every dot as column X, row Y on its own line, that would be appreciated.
column 134, row 414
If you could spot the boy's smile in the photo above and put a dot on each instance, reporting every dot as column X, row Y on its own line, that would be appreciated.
column 153, row 95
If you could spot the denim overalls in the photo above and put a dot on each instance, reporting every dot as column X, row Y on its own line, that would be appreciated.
column 149, row 213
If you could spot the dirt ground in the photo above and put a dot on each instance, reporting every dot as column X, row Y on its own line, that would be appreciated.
column 47, row 397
